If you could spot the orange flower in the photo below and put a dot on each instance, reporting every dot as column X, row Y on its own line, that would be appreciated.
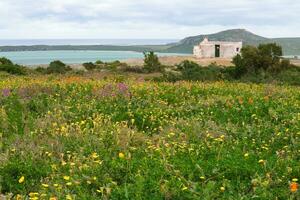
column 266, row 98
column 250, row 101
column 241, row 101
column 294, row 187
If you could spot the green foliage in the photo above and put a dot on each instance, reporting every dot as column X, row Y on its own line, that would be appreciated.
column 99, row 62
column 8, row 66
column 5, row 61
column 191, row 71
column 33, row 171
column 115, row 65
column 133, row 69
column 240, row 67
column 13, row 69
column 41, row 70
column 89, row 66
column 15, row 115
column 58, row 67
column 266, row 57
column 151, row 62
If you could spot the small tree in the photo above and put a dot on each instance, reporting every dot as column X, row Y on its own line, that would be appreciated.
column 151, row 62
column 240, row 68
column 58, row 67
column 269, row 55
column 266, row 57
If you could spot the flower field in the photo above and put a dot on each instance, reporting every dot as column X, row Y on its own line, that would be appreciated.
column 83, row 138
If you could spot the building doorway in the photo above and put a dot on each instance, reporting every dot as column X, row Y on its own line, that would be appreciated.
column 217, row 51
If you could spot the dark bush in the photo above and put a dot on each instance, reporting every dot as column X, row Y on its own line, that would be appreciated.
column 115, row 65
column 151, row 62
column 41, row 70
column 266, row 57
column 134, row 69
column 8, row 66
column 99, row 62
column 5, row 61
column 191, row 71
column 13, row 69
column 58, row 67
column 89, row 66
column 240, row 67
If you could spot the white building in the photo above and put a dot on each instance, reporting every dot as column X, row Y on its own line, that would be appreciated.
column 217, row 49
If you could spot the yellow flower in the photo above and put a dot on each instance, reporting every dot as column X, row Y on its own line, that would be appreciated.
column 121, row 155
column 246, row 155
column 67, row 178
column 202, row 177
column 52, row 198
column 45, row 185
column 68, row 197
column 18, row 197
column 32, row 194
column 222, row 189
column 184, row 188
column 69, row 183
column 295, row 180
column 22, row 179
column 95, row 155
column 261, row 161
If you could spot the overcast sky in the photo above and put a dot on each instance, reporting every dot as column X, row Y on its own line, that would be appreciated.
column 41, row 19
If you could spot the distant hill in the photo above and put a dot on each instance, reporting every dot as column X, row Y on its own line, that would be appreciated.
column 291, row 46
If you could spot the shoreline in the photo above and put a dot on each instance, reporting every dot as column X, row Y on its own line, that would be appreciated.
column 165, row 60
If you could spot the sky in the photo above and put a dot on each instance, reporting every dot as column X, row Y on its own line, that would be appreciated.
column 145, row 19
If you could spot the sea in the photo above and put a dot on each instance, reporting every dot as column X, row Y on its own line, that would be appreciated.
column 78, row 56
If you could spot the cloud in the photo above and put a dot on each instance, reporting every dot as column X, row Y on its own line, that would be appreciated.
column 145, row 18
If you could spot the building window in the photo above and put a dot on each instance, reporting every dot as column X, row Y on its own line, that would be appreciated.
column 237, row 49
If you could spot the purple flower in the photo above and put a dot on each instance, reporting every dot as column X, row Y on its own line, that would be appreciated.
column 6, row 92
column 123, row 88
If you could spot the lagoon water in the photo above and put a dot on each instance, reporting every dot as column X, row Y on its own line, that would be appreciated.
column 45, row 57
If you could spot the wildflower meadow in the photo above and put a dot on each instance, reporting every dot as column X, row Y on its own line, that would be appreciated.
column 74, row 137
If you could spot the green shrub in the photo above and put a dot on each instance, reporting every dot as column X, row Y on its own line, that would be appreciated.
column 12, row 69
column 8, row 66
column 240, row 67
column 99, row 62
column 191, row 71
column 134, row 69
column 151, row 62
column 41, row 70
column 89, row 66
column 115, row 65
column 5, row 61
column 266, row 57
column 58, row 67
